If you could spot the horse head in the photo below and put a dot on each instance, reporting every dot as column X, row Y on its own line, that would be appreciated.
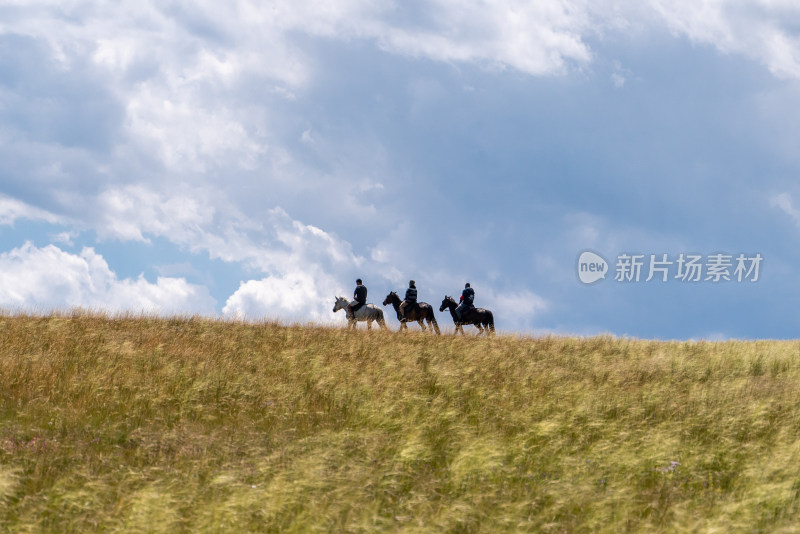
column 390, row 298
column 341, row 303
column 446, row 303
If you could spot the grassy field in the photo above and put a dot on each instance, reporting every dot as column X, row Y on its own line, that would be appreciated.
column 192, row 425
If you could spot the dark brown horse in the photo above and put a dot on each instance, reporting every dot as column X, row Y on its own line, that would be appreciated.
column 479, row 317
column 419, row 312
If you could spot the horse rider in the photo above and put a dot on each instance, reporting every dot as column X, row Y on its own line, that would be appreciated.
column 410, row 301
column 467, row 300
column 359, row 298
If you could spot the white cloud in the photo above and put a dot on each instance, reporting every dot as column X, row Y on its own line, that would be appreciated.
column 763, row 30
column 523, row 302
column 198, row 82
column 783, row 201
column 534, row 37
column 65, row 237
column 303, row 263
column 130, row 212
column 48, row 278
column 298, row 296
column 12, row 209
column 273, row 243
column 188, row 132
column 620, row 75
column 305, row 266
column 218, row 43
column 516, row 310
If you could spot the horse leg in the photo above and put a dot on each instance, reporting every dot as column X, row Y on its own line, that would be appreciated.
column 421, row 325
column 436, row 327
column 369, row 324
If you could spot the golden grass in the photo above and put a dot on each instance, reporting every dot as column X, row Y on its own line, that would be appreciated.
column 141, row 424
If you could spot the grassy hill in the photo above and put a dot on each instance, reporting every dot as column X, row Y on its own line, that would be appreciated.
column 192, row 425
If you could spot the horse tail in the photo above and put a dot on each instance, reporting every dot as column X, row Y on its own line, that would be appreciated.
column 490, row 320
column 432, row 320
column 380, row 319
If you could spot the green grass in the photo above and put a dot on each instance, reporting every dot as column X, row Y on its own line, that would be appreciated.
column 191, row 425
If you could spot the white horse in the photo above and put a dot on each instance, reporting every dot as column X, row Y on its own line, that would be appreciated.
column 368, row 312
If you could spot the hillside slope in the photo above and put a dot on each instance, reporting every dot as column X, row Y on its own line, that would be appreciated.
column 187, row 424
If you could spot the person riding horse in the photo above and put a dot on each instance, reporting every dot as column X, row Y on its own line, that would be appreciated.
column 359, row 299
column 410, row 301
column 467, row 301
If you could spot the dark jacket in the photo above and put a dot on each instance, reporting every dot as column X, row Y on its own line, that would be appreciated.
column 411, row 294
column 360, row 294
column 468, row 296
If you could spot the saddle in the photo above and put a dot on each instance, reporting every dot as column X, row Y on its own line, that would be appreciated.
column 353, row 308
column 466, row 315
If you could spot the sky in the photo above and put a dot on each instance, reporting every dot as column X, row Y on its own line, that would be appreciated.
column 250, row 160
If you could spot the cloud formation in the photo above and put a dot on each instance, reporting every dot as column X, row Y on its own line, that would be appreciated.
column 47, row 278
column 763, row 30
column 12, row 209
column 295, row 296
column 308, row 143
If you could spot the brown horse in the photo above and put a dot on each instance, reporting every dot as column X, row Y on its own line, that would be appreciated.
column 479, row 317
column 422, row 311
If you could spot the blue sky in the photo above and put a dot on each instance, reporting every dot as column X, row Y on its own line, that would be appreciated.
column 251, row 159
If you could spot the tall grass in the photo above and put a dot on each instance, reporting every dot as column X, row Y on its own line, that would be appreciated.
column 141, row 424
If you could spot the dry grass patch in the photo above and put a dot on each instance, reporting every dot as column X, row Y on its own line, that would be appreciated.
column 141, row 424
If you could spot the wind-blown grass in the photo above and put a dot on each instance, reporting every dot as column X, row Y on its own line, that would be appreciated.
column 142, row 424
